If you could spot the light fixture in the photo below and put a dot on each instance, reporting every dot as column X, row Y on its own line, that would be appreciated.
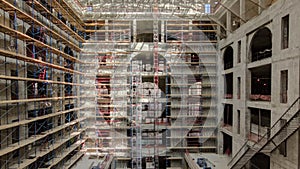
column 234, row 23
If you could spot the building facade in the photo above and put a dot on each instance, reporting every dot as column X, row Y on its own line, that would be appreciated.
column 260, row 69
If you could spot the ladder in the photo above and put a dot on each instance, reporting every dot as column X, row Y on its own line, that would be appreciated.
column 136, row 112
column 156, row 77
column 282, row 129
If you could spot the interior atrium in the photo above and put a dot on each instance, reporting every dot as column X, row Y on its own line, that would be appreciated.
column 149, row 84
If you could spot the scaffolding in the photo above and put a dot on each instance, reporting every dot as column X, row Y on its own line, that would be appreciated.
column 40, row 125
column 133, row 94
column 193, row 107
column 105, row 54
column 155, row 100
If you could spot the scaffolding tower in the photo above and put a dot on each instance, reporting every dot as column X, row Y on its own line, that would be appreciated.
column 70, row 85
column 155, row 91
column 40, row 125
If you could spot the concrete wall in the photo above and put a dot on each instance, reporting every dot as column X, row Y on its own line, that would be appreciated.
column 287, row 59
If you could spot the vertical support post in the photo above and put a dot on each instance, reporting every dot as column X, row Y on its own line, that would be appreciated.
column 229, row 22
column 17, row 74
column 190, row 29
column 259, row 123
column 218, row 33
column 298, row 149
column 156, row 77
column 260, row 6
column 134, row 33
column 106, row 30
column 15, row 44
column 242, row 10
column 162, row 36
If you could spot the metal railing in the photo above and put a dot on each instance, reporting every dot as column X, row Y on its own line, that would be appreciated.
column 261, row 55
column 191, row 163
column 289, row 115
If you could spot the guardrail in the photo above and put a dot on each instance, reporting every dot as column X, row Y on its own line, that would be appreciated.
column 248, row 152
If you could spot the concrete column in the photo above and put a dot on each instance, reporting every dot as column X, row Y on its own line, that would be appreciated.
column 298, row 149
column 218, row 33
column 228, row 24
column 134, row 34
column 261, row 6
column 243, row 9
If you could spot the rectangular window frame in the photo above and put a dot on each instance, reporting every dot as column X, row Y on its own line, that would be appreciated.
column 239, row 53
column 238, row 87
column 285, row 32
column 238, row 122
column 284, row 78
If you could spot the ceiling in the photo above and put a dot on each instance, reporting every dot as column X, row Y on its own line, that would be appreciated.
column 93, row 9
